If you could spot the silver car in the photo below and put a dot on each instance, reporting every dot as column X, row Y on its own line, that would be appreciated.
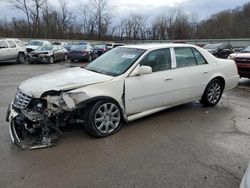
column 12, row 49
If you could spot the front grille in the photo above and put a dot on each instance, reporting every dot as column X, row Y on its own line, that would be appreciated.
column 21, row 100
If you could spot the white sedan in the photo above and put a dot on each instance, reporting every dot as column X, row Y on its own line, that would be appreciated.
column 124, row 84
column 245, row 183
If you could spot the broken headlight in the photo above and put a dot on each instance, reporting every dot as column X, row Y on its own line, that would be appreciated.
column 38, row 104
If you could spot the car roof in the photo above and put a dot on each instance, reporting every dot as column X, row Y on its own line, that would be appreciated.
column 158, row 45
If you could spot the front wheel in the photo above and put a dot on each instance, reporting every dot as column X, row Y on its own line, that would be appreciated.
column 212, row 93
column 103, row 119
column 21, row 58
column 51, row 60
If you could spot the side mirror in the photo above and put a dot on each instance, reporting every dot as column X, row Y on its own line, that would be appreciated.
column 141, row 70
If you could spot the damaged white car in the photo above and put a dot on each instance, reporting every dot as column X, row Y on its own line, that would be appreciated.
column 124, row 84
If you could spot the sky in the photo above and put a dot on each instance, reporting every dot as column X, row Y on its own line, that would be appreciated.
column 122, row 8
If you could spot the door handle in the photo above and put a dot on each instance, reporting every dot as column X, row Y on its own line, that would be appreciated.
column 205, row 72
column 168, row 78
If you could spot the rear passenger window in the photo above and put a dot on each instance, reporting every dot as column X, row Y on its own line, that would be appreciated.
column 184, row 57
column 199, row 58
column 11, row 43
column 158, row 60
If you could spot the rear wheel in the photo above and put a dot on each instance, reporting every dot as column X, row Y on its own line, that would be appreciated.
column 212, row 93
column 21, row 58
column 103, row 118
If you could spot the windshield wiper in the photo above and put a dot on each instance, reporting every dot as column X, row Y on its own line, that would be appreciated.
column 94, row 71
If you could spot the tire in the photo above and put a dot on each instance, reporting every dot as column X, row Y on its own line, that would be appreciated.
column 103, row 118
column 21, row 58
column 30, row 62
column 51, row 60
column 212, row 93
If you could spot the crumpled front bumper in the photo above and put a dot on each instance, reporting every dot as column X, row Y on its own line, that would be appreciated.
column 17, row 122
column 10, row 117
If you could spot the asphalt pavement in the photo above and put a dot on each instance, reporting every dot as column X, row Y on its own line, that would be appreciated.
column 185, row 146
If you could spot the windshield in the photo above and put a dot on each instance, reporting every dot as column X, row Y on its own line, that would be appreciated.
column 116, row 61
column 36, row 43
column 45, row 48
column 247, row 49
column 212, row 46
column 78, row 47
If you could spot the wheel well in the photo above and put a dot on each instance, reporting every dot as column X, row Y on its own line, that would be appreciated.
column 20, row 53
column 222, row 80
column 87, row 103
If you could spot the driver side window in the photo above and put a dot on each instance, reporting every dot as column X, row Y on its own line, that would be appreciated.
column 158, row 60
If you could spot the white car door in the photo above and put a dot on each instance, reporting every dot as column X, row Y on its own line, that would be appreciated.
column 149, row 91
column 4, row 48
column 13, row 50
column 185, row 81
column 192, row 73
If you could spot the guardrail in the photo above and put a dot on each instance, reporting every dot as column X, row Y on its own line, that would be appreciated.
column 236, row 43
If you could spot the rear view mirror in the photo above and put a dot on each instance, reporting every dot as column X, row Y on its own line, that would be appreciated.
column 141, row 70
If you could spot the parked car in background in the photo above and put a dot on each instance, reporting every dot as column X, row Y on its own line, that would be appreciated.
column 245, row 182
column 63, row 44
column 48, row 54
column 221, row 50
column 82, row 52
column 122, row 85
column 35, row 44
column 12, row 49
column 113, row 45
column 100, row 49
column 242, row 61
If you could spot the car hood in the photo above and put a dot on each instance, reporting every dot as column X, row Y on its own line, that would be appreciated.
column 67, row 79
column 32, row 47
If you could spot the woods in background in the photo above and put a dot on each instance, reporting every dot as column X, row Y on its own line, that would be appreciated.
column 94, row 21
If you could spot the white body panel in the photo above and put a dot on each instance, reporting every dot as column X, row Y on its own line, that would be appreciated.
column 138, row 95
column 245, row 183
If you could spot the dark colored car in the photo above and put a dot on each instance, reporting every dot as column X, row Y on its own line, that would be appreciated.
column 48, row 54
column 221, row 50
column 100, row 49
column 81, row 52
column 242, row 61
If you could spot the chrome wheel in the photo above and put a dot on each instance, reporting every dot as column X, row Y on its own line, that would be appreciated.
column 51, row 60
column 214, row 93
column 107, row 118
